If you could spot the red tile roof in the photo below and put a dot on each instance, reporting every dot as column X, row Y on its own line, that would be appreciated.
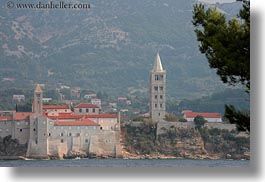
column 6, row 118
column 101, row 116
column 83, row 122
column 56, row 107
column 66, row 116
column 203, row 114
column 86, row 105
column 19, row 116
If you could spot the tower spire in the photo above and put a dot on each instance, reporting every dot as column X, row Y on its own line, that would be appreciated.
column 38, row 94
column 38, row 89
column 158, row 65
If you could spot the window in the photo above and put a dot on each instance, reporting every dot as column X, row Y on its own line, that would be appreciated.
column 86, row 140
column 155, row 96
column 161, row 88
column 69, row 134
column 18, row 123
column 20, row 130
column 155, row 105
column 86, row 134
column 161, row 96
column 65, row 110
column 161, row 105
column 34, row 129
column 94, row 110
column 86, row 110
column 61, row 134
column 158, row 114
column 78, row 134
column 61, row 140
column 156, row 88
column 158, row 77
column 80, row 110
column 49, row 134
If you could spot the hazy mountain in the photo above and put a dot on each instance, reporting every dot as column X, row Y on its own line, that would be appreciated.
column 110, row 47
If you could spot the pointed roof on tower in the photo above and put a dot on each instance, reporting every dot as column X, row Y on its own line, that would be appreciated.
column 38, row 89
column 158, row 65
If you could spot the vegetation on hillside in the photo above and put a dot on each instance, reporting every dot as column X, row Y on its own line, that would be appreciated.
column 110, row 47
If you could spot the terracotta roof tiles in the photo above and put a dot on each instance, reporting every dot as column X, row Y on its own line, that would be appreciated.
column 203, row 114
column 83, row 122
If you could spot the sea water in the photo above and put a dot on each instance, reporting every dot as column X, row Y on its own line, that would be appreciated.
column 121, row 163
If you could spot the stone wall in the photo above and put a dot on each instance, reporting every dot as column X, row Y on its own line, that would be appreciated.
column 164, row 126
column 38, row 147
column 106, row 144
column 221, row 126
column 17, row 129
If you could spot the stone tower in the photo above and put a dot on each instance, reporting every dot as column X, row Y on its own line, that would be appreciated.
column 38, row 94
column 38, row 133
column 157, row 91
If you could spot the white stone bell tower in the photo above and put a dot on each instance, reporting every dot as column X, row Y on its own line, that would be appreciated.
column 157, row 91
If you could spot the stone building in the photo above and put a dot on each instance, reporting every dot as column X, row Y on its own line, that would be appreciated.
column 157, row 91
column 53, row 132
column 85, row 108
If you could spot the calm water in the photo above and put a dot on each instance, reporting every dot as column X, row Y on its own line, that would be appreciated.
column 120, row 163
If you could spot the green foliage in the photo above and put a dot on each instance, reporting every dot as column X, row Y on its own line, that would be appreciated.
column 183, row 120
column 242, row 120
column 25, row 107
column 199, row 121
column 224, row 142
column 141, row 138
column 11, row 147
column 171, row 117
column 225, row 44
column 216, row 101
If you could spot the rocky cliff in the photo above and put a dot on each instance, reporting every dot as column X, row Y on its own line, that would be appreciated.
column 189, row 143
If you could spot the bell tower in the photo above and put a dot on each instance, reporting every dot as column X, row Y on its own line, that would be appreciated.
column 157, row 91
column 38, row 94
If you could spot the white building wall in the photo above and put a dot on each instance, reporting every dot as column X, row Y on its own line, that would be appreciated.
column 106, row 123
column 86, row 110
column 208, row 119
